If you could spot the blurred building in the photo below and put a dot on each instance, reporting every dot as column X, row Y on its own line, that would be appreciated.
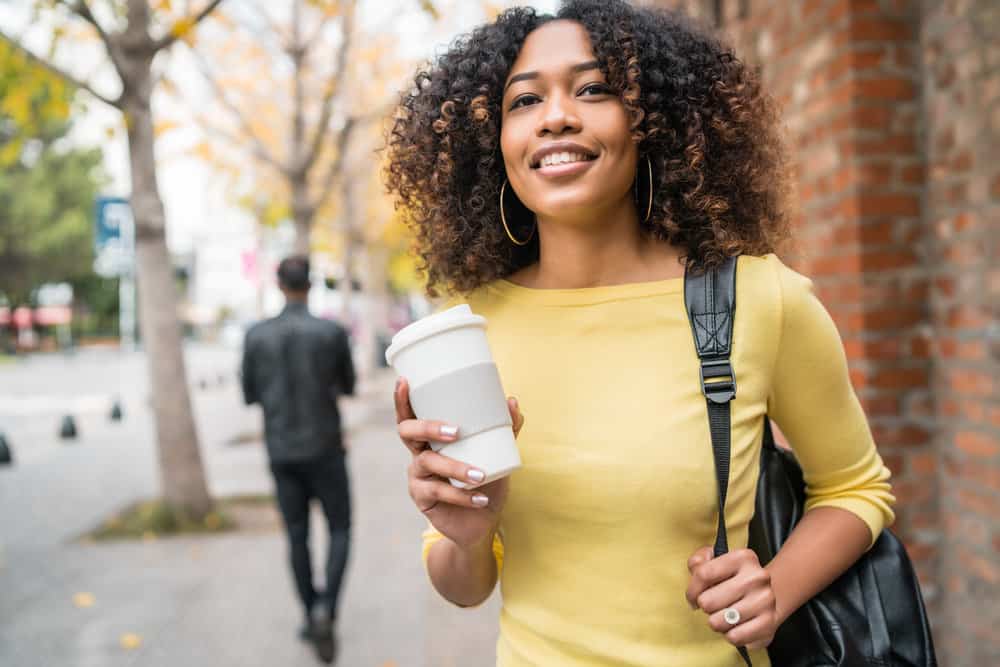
column 893, row 111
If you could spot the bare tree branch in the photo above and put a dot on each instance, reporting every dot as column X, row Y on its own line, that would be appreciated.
column 237, row 142
column 82, row 9
column 259, row 148
column 333, row 172
column 275, row 29
column 59, row 72
column 171, row 37
column 332, row 88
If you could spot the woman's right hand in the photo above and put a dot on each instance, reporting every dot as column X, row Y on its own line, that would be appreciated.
column 465, row 516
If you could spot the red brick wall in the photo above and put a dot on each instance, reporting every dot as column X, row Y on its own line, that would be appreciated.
column 893, row 115
column 961, row 50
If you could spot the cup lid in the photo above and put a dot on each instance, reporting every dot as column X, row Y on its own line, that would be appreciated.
column 452, row 318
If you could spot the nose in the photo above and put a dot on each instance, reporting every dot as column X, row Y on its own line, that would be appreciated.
column 559, row 116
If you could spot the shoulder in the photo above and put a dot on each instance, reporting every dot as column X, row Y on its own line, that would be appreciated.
column 771, row 281
column 258, row 329
column 487, row 300
column 330, row 328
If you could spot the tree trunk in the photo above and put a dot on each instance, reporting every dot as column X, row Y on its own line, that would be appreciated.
column 181, row 472
column 303, row 213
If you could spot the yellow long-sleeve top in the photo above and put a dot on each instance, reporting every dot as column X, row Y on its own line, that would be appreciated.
column 618, row 487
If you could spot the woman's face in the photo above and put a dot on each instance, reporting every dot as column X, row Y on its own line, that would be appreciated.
column 565, row 133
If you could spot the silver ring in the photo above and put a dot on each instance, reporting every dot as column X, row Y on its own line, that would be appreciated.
column 731, row 615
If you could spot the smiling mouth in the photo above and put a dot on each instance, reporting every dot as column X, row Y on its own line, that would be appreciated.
column 566, row 157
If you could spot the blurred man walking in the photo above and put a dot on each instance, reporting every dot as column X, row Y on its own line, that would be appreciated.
column 296, row 366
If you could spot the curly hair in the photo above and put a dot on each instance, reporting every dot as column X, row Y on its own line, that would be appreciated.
column 703, row 120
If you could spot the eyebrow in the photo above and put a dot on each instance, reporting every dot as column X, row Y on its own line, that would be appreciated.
column 524, row 76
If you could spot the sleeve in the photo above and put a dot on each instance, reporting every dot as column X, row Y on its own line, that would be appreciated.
column 815, row 406
column 246, row 373
column 347, row 378
column 431, row 536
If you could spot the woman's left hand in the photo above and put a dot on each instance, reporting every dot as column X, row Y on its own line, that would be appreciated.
column 737, row 581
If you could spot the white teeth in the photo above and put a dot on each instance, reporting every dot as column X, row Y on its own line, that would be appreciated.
column 561, row 158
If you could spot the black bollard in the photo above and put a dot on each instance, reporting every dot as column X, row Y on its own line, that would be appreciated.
column 6, row 456
column 116, row 411
column 68, row 429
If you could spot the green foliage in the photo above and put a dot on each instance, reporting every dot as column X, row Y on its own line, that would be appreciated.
column 155, row 518
column 33, row 103
column 46, row 190
column 46, row 210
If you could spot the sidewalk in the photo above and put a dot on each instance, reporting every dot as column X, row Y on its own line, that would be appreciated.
column 217, row 600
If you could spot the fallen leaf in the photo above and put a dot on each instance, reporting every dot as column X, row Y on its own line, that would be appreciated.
column 83, row 600
column 130, row 641
column 389, row 663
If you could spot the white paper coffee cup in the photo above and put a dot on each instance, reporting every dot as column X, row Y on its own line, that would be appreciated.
column 446, row 360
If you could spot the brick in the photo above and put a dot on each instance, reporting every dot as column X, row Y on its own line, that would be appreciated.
column 980, row 567
column 977, row 444
column 976, row 501
column 879, row 29
column 905, row 436
column 885, row 260
column 890, row 146
column 966, row 317
column 899, row 378
column 973, row 383
column 893, row 89
column 892, row 318
column 923, row 463
column 972, row 411
column 912, row 174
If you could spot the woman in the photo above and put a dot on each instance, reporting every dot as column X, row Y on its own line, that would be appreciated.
column 560, row 173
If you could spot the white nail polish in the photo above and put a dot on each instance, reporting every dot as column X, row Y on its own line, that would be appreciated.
column 480, row 500
column 449, row 431
column 476, row 475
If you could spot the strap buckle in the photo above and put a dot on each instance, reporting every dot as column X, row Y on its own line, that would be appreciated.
column 718, row 381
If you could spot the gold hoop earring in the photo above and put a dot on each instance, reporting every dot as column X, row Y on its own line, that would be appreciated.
column 503, row 219
column 649, row 204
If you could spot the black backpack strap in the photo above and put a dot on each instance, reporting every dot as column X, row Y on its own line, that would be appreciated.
column 710, row 298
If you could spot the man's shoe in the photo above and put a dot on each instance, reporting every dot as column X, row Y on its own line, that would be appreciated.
column 322, row 635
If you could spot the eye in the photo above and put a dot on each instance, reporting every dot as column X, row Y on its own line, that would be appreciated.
column 595, row 89
column 523, row 101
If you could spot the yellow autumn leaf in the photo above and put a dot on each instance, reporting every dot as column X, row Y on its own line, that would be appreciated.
column 164, row 5
column 163, row 126
column 83, row 600
column 130, row 641
column 182, row 26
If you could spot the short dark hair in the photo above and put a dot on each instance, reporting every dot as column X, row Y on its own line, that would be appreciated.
column 293, row 273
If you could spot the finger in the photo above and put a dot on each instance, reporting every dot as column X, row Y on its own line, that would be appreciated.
column 758, row 603
column 429, row 493
column 429, row 464
column 515, row 415
column 709, row 574
column 415, row 433
column 733, row 589
column 401, row 397
column 757, row 631
column 700, row 556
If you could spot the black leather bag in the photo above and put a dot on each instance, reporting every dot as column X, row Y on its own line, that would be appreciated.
column 873, row 615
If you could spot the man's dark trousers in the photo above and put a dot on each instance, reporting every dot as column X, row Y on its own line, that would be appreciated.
column 296, row 484
column 297, row 366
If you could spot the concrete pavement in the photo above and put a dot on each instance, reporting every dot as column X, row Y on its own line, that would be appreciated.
column 215, row 600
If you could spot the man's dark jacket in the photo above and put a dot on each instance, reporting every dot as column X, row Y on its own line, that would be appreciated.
column 296, row 365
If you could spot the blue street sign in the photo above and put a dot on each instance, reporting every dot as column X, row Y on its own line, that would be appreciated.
column 111, row 214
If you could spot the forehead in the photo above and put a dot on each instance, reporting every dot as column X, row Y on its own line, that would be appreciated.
column 554, row 46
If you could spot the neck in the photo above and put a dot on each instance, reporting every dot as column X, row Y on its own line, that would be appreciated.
column 604, row 247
